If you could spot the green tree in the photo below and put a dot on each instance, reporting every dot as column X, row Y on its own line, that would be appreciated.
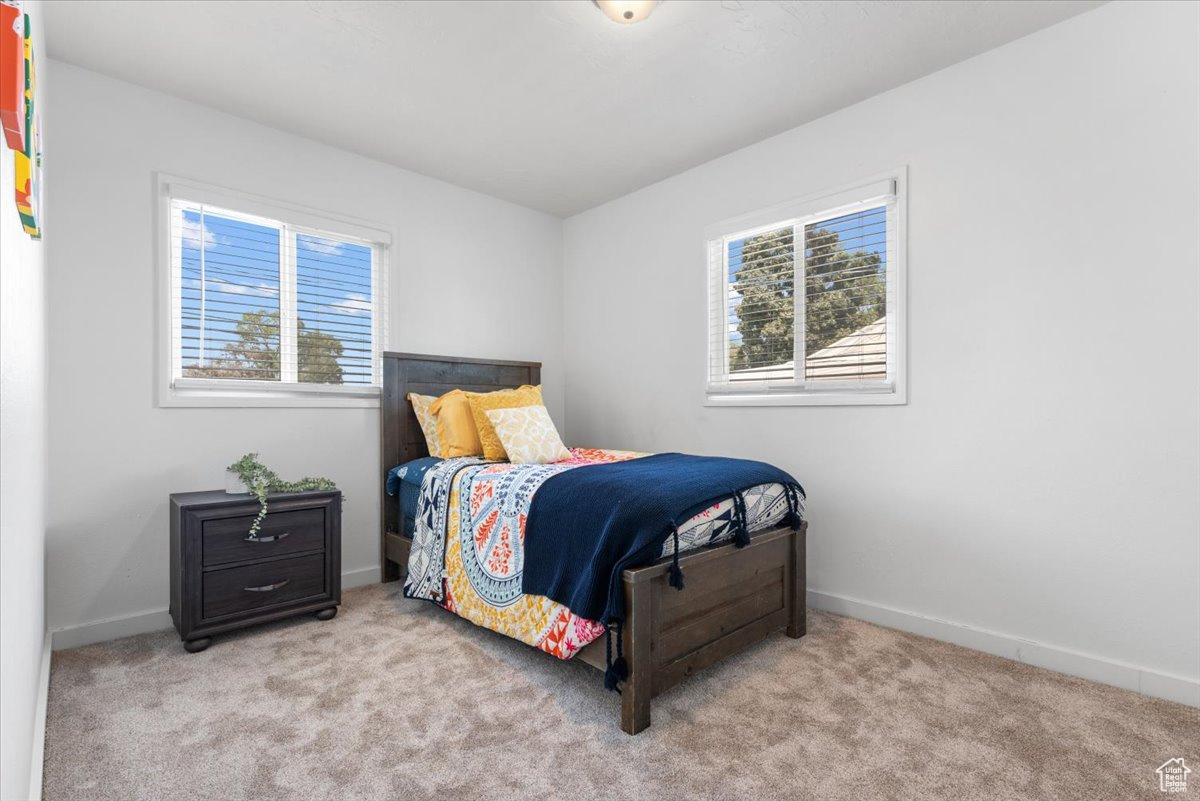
column 255, row 353
column 844, row 291
column 318, row 356
column 737, row 359
column 767, row 312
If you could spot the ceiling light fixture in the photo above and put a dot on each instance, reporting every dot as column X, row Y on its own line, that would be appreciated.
column 626, row 12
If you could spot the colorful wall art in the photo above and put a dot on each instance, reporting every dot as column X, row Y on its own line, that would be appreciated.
column 12, row 74
column 18, row 112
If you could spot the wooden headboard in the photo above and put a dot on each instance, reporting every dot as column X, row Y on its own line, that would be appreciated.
column 400, row 437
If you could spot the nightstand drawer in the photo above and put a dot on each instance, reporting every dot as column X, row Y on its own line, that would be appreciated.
column 282, row 533
column 240, row 589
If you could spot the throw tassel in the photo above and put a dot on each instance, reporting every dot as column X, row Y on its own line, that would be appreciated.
column 793, row 515
column 676, row 573
column 615, row 672
column 741, row 526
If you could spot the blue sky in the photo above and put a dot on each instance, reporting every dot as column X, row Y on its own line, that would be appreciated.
column 860, row 231
column 241, row 273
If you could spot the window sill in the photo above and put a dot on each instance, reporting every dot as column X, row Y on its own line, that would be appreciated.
column 192, row 397
column 893, row 398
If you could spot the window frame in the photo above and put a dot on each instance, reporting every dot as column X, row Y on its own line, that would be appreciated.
column 174, row 390
column 798, row 213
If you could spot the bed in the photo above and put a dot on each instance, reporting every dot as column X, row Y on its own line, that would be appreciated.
column 733, row 596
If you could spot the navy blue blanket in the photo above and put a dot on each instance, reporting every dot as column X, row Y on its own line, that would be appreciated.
column 405, row 481
column 587, row 525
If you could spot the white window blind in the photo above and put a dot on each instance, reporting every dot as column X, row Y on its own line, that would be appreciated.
column 264, row 304
column 804, row 298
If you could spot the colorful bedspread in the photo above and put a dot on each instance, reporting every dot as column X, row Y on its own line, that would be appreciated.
column 467, row 552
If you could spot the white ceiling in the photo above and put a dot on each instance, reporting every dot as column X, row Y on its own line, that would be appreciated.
column 547, row 104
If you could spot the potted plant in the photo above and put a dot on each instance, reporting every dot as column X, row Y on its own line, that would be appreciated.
column 258, row 479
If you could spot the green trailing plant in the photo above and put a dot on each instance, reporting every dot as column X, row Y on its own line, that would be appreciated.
column 260, row 480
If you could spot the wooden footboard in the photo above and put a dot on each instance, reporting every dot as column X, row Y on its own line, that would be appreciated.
column 732, row 598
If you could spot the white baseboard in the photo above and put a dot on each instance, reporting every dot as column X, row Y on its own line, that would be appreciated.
column 111, row 628
column 114, row 628
column 360, row 577
column 1105, row 671
column 37, row 756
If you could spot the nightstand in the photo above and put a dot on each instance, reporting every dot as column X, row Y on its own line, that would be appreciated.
column 222, row 579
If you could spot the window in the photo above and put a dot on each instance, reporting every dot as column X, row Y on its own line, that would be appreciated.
column 269, row 305
column 806, row 301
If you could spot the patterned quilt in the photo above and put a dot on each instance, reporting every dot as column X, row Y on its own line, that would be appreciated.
column 468, row 545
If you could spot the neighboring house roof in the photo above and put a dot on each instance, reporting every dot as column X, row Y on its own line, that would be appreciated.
column 861, row 355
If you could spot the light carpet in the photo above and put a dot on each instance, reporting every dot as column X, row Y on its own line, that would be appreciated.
column 396, row 699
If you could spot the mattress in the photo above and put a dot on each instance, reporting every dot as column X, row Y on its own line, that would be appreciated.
column 469, row 516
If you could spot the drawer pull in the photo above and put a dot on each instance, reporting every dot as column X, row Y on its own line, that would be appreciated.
column 267, row 587
column 272, row 538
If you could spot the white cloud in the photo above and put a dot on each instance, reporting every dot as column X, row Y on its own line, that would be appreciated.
column 260, row 290
column 355, row 303
column 323, row 246
column 191, row 235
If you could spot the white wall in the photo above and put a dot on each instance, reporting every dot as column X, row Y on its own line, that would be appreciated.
column 114, row 455
column 22, row 463
column 1042, row 480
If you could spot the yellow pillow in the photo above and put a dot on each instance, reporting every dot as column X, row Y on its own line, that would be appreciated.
column 427, row 420
column 483, row 402
column 529, row 435
column 456, row 425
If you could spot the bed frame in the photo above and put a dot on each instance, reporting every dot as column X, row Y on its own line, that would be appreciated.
column 733, row 596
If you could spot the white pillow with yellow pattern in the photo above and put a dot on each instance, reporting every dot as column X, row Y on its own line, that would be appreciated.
column 528, row 435
column 427, row 420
